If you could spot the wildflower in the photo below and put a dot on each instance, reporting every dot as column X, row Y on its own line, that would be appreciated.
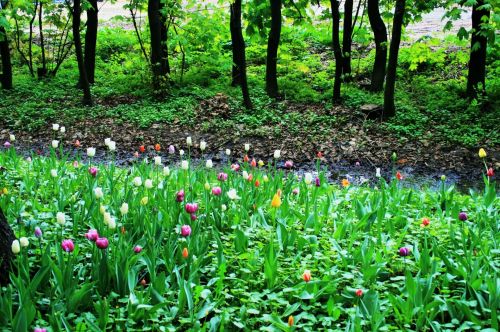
column 55, row 127
column 157, row 147
column 77, row 144
column 490, row 172
column 68, row 245
column 12, row 137
column 137, row 181
column 257, row 183
column 232, row 194
column 179, row 196
column 62, row 130
column 55, row 144
column 404, row 251
column 91, row 152
column 142, row 149
column 53, row 173
column 359, row 292
column 92, row 235
column 144, row 200
column 253, row 163
column 276, row 202
column 171, row 149
column 191, row 207
column 290, row 320
column 38, row 232
column 345, row 183
column 399, row 176
column 61, row 218
column 209, row 163
column 93, row 171
column 482, row 153
column 203, row 145
column 222, row 177
column 124, row 209
column 308, row 178
column 185, row 164
column 235, row 167
column 462, row 216
column 228, row 152
column 317, row 182
column 98, row 192
column 277, row 154
column 425, row 222
column 24, row 241
column 306, row 275
column 102, row 243
column 15, row 247
column 137, row 249
column 6, row 144
column 148, row 184
column 185, row 230
column 166, row 171
column 185, row 252
column 217, row 191
column 261, row 163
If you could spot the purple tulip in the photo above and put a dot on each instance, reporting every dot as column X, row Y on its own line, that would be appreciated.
column 404, row 251
column 92, row 235
column 193, row 217
column 38, row 232
column 185, row 230
column 317, row 182
column 68, row 245
column 462, row 216
column 171, row 149
column 137, row 249
column 102, row 243
column 191, row 208
column 93, row 171
column 179, row 197
column 6, row 144
column 288, row 164
column 222, row 177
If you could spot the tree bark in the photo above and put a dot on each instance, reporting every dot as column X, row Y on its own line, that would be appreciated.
column 380, row 36
column 91, row 40
column 347, row 39
column 337, row 51
column 158, row 62
column 272, row 49
column 476, row 79
column 239, row 58
column 77, row 10
column 6, row 238
column 165, row 65
column 42, row 72
column 389, row 107
column 6, row 77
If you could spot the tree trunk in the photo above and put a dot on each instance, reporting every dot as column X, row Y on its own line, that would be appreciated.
column 91, row 40
column 347, row 39
column 6, row 77
column 77, row 10
column 239, row 57
column 476, row 80
column 337, row 51
column 42, row 72
column 158, row 63
column 234, row 27
column 399, row 12
column 6, row 238
column 380, row 36
column 272, row 49
column 165, row 65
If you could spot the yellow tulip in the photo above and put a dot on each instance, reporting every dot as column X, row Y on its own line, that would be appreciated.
column 482, row 153
column 276, row 202
column 5, row 191
column 261, row 163
column 144, row 200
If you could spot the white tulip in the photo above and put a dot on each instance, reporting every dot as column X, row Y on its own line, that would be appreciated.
column 24, row 241
column 157, row 160
column 189, row 141
column 223, row 207
column 209, row 163
column 377, row 172
column 148, row 184
column 106, row 141
column 137, row 181
column 308, row 178
column 55, row 127
column 62, row 130
column 102, row 209
column 203, row 145
column 124, row 209
column 232, row 194
column 61, row 218
column 91, row 152
column 55, row 144
column 185, row 164
column 245, row 175
column 181, row 152
column 15, row 247
column 112, row 223
column 12, row 137
column 98, row 192
column 247, row 147
column 53, row 173
column 277, row 154
column 112, row 145
column 228, row 152
column 166, row 171
column 107, row 218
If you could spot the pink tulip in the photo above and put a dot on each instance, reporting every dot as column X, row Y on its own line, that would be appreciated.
column 222, row 177
column 288, row 164
column 216, row 191
column 180, row 196
column 191, row 208
column 137, row 249
column 40, row 329
column 185, row 230
column 92, row 235
column 68, row 245
column 193, row 217
column 6, row 144
column 93, row 171
column 235, row 167
column 171, row 149
column 102, row 243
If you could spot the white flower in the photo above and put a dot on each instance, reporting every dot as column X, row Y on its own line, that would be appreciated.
column 148, row 184
column 160, row 185
column 185, row 164
column 181, row 152
column 24, row 241
column 53, row 173
column 55, row 127
column 112, row 223
column 112, row 145
column 377, row 172
column 209, row 163
column 232, row 194
column 157, row 160
column 245, row 175
column 91, row 152
column 15, row 247
column 55, row 144
column 223, row 207
column 98, row 192
column 124, row 209
column 62, row 130
column 137, row 181
column 203, row 145
column 166, row 171
column 107, row 218
column 308, row 178
column 12, row 137
column 277, row 154
column 61, row 218
column 189, row 141
column 247, row 147
column 106, row 141
column 228, row 152
column 102, row 209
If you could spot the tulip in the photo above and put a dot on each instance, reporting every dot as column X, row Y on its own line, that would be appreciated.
column 12, row 137
column 308, row 178
column 171, row 149
column 179, row 196
column 102, row 243
column 148, row 184
column 40, row 329
column 223, row 207
column 107, row 218
column 377, row 172
column 157, row 160
column 257, row 183
column 209, row 163
column 247, row 147
column 166, row 171
column 102, row 209
column 296, row 191
column 185, row 164
column 345, row 183
column 62, row 130
column 98, row 192
column 185, row 230
column 185, row 253
column 261, row 163
column 265, row 178
column 253, row 163
column 38, row 232
column 404, row 251
column 91, row 152
column 193, row 217
column 319, row 154
column 77, row 144
column 191, row 207
column 222, row 177
column 67, row 245
column 250, row 178
column 217, row 191
column 61, row 218
column 235, row 167
column 75, row 164
column 189, row 141
column 462, row 216
column 277, row 154
column 55, row 127
column 207, row 186
column 245, row 175
column 106, row 141
column 482, row 153
column 55, row 144
column 112, row 146
column 317, row 182
column 124, row 209
column 399, row 176
column 288, row 164
column 276, row 202
column 157, row 147
column 203, row 145
column 359, row 292
column 15, row 247
column 112, row 224
column 142, row 149
column 92, row 235
column 490, row 172
column 394, row 156
column 137, row 181
column 245, row 159
column 53, row 173
column 290, row 321
column 144, row 200
column 6, row 144
column 137, row 249
column 144, row 282
column 93, row 171
column 5, row 191
column 232, row 194
column 443, row 177
column 306, row 275
column 24, row 242
column 425, row 222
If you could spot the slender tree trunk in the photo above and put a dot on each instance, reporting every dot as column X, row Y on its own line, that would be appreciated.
column 165, row 64
column 157, row 49
column 91, row 40
column 234, row 27
column 239, row 51
column 347, row 39
column 6, row 77
column 399, row 12
column 42, row 72
column 337, row 51
column 380, row 36
column 77, row 11
column 272, row 49
column 476, row 80
column 6, row 238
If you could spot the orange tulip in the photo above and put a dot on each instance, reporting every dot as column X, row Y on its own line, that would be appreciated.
column 290, row 321
column 276, row 202
column 425, row 222
column 345, row 183
column 185, row 253
column 306, row 275
column 399, row 176
column 245, row 158
column 142, row 148
column 157, row 147
column 253, row 163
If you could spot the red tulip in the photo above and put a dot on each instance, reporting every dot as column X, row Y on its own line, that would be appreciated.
column 490, row 172
column 359, row 292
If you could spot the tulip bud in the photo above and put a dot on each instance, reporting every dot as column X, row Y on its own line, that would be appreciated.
column 290, row 321
column 306, row 275
column 223, row 207
column 404, row 251
column 288, row 164
column 166, row 171
column 67, row 245
column 217, row 191
column 180, row 196
column 144, row 200
column 462, row 216
column 185, row 253
column 443, row 177
column 55, row 144
column 157, row 147
column 137, row 181
column 62, row 130
column 189, row 141
column 359, row 292
column 106, row 141
column 265, row 178
column 124, row 209
column 185, row 164
column 61, row 218
column 6, row 144
column 92, row 235
column 490, row 172
column 228, row 152
column 261, row 163
column 12, row 137
column 24, row 242
column 98, row 192
column 277, row 154
column 185, row 230
column 232, row 194
column 207, row 186
column 482, row 153
column 38, row 232
column 112, row 223
column 102, row 243
column 15, row 247
column 191, row 207
column 203, row 145
column 148, row 184
column 171, row 149
column 91, row 152
column 112, row 146
column 55, row 127
column 209, row 163
column 157, row 160
column 377, row 172
column 308, row 178
column 137, row 249
column 53, row 173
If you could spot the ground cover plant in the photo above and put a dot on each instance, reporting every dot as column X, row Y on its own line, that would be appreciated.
column 242, row 245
